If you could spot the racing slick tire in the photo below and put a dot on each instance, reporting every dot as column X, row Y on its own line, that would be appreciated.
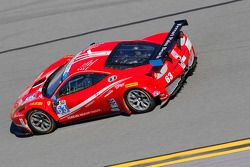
column 139, row 101
column 40, row 122
column 192, row 67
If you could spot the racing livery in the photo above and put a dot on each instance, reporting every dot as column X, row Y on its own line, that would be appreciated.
column 106, row 78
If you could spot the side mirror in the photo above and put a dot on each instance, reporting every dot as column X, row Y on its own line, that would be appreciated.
column 54, row 98
column 55, row 101
column 156, row 62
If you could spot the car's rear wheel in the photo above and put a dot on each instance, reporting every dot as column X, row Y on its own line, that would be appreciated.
column 40, row 122
column 139, row 101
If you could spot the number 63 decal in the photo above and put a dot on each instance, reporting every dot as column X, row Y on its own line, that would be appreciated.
column 169, row 77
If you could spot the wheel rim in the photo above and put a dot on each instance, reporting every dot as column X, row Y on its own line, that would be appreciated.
column 138, row 100
column 40, row 121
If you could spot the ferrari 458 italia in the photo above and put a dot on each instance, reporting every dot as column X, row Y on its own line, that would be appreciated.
column 105, row 78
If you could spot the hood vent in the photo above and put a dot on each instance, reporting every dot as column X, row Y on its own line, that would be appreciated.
column 39, row 82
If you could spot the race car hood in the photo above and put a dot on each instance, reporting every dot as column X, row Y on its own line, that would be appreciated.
column 34, row 90
column 28, row 95
column 32, row 95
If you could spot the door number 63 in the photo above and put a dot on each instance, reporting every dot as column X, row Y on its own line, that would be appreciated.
column 169, row 77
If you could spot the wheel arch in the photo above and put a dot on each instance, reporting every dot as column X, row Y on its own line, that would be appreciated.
column 146, row 89
column 153, row 92
column 53, row 123
column 149, row 93
column 41, row 109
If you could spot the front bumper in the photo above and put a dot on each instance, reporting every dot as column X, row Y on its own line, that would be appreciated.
column 20, row 121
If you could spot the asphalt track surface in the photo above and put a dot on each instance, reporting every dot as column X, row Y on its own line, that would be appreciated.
column 213, row 106
column 240, row 159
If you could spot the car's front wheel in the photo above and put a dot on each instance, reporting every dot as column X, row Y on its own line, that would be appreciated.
column 40, row 122
column 139, row 101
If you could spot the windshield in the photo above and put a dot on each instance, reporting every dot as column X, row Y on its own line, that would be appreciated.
column 53, row 82
column 132, row 54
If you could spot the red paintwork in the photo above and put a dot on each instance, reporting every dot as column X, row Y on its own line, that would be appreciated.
column 99, row 106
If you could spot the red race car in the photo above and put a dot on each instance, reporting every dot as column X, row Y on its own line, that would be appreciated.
column 105, row 78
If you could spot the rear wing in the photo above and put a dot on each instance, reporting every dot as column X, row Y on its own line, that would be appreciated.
column 170, row 41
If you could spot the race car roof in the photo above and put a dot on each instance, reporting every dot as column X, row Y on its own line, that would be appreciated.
column 131, row 54
column 96, row 56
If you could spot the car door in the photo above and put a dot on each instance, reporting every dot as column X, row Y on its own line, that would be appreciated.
column 109, row 97
column 77, row 99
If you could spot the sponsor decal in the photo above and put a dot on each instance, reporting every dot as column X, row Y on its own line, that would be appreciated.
column 175, row 54
column 89, row 54
column 156, row 93
column 109, row 92
column 183, row 58
column 84, row 114
column 80, row 57
column 161, row 72
column 62, row 108
column 112, row 78
column 169, row 77
column 182, row 64
column 113, row 105
column 87, row 57
column 48, row 103
column 23, row 123
column 38, row 103
column 173, row 33
column 85, row 66
column 119, row 85
column 29, row 98
column 131, row 84
column 168, row 41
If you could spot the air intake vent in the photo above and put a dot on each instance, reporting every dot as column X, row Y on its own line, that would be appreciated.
column 39, row 82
